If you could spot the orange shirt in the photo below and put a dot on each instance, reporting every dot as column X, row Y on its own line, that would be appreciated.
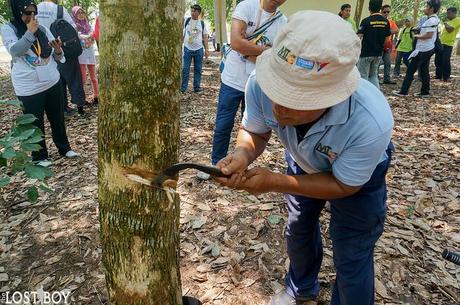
column 389, row 40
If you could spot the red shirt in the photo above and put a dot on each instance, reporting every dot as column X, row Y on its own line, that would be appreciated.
column 96, row 30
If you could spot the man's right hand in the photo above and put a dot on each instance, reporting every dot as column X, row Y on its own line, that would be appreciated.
column 32, row 26
column 233, row 165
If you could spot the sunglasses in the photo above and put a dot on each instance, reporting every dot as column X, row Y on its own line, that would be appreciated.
column 29, row 13
column 386, row 12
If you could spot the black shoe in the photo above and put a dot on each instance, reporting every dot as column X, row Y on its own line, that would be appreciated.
column 198, row 90
column 80, row 110
column 95, row 101
column 389, row 82
column 68, row 112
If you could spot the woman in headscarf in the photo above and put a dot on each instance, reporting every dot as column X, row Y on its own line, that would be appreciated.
column 34, row 74
column 87, row 59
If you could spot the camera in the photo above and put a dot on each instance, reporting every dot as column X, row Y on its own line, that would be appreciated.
column 416, row 30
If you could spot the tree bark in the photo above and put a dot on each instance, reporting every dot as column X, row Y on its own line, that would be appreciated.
column 140, row 58
column 359, row 11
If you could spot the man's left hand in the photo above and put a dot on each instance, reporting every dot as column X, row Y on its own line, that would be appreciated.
column 206, row 54
column 258, row 181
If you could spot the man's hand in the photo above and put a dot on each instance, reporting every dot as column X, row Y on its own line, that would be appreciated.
column 32, row 26
column 258, row 181
column 206, row 53
column 233, row 165
column 56, row 45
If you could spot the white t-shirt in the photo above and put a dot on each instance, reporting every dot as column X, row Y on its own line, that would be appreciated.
column 430, row 25
column 88, row 56
column 193, row 34
column 47, row 14
column 237, row 69
column 26, row 70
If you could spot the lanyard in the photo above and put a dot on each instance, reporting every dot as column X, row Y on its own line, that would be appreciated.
column 38, row 48
column 259, row 15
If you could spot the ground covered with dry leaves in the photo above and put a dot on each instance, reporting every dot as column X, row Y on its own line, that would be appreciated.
column 232, row 245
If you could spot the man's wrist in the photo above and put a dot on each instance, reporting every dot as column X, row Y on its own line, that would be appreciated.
column 244, row 153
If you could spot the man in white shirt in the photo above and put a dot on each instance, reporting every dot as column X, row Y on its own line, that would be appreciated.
column 255, row 24
column 195, row 46
column 424, row 49
column 70, row 70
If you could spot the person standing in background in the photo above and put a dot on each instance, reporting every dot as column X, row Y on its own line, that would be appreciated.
column 448, row 36
column 36, row 82
column 87, row 59
column 373, row 31
column 195, row 47
column 345, row 13
column 388, row 46
column 70, row 69
column 404, row 46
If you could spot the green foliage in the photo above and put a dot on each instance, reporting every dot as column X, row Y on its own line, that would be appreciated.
column 88, row 5
column 403, row 8
column 15, row 149
column 208, row 10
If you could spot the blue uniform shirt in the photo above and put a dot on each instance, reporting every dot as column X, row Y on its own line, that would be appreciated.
column 349, row 140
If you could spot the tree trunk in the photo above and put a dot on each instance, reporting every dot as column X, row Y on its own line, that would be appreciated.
column 359, row 11
column 416, row 9
column 138, row 125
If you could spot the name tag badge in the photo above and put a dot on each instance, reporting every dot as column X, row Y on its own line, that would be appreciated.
column 44, row 73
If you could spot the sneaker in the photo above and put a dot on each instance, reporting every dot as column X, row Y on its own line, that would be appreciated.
column 283, row 298
column 203, row 176
column 419, row 95
column 68, row 112
column 80, row 110
column 44, row 163
column 71, row 154
column 95, row 101
column 398, row 93
column 198, row 90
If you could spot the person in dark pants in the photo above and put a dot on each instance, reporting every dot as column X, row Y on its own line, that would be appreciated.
column 424, row 49
column 70, row 69
column 34, row 74
column 254, row 27
column 317, row 109
column 195, row 48
column 448, row 37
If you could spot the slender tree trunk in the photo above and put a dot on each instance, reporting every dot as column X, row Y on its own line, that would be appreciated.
column 416, row 8
column 359, row 11
column 138, row 125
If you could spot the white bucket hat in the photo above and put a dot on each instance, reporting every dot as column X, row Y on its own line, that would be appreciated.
column 312, row 64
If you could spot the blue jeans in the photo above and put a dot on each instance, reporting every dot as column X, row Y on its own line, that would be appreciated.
column 369, row 69
column 355, row 226
column 197, row 57
column 230, row 100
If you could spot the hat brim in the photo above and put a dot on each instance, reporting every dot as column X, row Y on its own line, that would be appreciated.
column 284, row 93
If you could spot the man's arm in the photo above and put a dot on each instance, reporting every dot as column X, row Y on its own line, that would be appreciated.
column 320, row 186
column 427, row 36
column 239, row 42
column 448, row 28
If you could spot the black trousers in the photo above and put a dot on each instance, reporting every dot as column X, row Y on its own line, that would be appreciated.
column 442, row 62
column 51, row 103
column 71, row 78
column 420, row 62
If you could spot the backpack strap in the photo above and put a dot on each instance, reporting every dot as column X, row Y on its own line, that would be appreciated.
column 187, row 21
column 60, row 12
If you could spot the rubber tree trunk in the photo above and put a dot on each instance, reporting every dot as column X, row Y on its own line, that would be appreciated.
column 140, row 65
column 359, row 11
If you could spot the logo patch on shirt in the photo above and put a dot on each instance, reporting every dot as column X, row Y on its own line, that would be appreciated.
column 326, row 150
column 250, row 23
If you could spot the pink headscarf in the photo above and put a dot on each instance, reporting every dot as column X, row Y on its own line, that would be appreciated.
column 82, row 25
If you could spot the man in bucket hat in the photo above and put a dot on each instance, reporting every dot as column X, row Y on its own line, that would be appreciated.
column 336, row 129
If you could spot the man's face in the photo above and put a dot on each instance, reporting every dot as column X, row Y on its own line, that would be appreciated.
column 451, row 15
column 428, row 10
column 386, row 12
column 195, row 14
column 274, row 4
column 346, row 13
column 290, row 117
column 408, row 23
